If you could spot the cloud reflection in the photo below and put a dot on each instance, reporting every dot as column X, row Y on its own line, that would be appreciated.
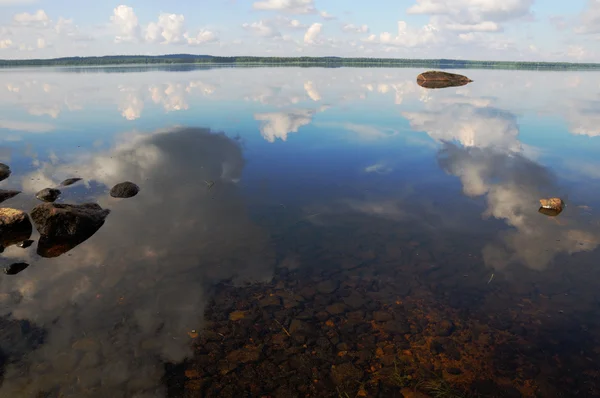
column 123, row 302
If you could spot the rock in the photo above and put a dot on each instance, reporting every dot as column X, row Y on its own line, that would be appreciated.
column 25, row 244
column 454, row 371
column 69, row 181
column 244, row 355
column 327, row 287
column 5, row 195
column 15, row 268
column 270, row 302
column 4, row 172
column 444, row 329
column 48, row 194
column 396, row 327
column 437, row 79
column 336, row 308
column 62, row 227
column 124, row 190
column 346, row 372
column 297, row 326
column 551, row 207
column 15, row 227
column 382, row 316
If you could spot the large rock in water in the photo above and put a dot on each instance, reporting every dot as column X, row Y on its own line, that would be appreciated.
column 48, row 194
column 125, row 189
column 437, row 79
column 7, row 194
column 15, row 227
column 4, row 171
column 63, row 226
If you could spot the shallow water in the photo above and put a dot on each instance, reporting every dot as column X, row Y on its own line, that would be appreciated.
column 305, row 232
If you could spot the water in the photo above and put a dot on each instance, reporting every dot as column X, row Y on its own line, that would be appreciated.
column 305, row 232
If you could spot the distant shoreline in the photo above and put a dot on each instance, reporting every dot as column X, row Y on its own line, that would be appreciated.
column 328, row 62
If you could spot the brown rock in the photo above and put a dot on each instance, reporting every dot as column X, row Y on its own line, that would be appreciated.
column 336, row 308
column 551, row 207
column 437, row 79
column 69, row 181
column 48, row 194
column 124, row 190
column 382, row 316
column 15, row 227
column 4, row 172
column 7, row 194
column 63, row 226
column 346, row 372
column 245, row 355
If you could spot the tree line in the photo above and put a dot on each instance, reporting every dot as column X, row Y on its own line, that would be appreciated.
column 182, row 59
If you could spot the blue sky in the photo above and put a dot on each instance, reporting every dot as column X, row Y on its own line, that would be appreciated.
column 468, row 29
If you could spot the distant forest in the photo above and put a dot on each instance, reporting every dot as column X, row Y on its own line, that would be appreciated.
column 329, row 62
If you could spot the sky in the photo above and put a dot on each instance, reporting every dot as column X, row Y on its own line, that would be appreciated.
column 545, row 30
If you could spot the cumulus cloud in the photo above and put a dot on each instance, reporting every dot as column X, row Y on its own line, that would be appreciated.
column 123, row 302
column 326, row 16
column 350, row 28
column 473, row 11
column 471, row 125
column 512, row 185
column 202, row 37
column 169, row 29
column 6, row 43
column 312, row 91
column 279, row 124
column 407, row 36
column 289, row 6
column 312, row 33
column 40, row 18
column 262, row 28
column 127, row 24
column 589, row 20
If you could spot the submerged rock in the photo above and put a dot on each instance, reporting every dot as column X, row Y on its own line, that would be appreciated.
column 551, row 207
column 15, row 227
column 15, row 268
column 48, row 194
column 62, row 227
column 437, row 79
column 124, row 190
column 69, row 181
column 25, row 244
column 4, row 171
column 7, row 194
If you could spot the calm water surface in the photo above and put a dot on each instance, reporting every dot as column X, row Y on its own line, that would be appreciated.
column 305, row 232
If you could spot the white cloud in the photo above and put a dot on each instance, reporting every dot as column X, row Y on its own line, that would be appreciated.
column 6, row 43
column 589, row 20
column 407, row 36
column 28, row 127
column 486, row 26
column 125, row 20
column 41, row 42
column 202, row 37
column 289, row 6
column 279, row 124
column 473, row 11
column 311, row 90
column 472, row 126
column 350, row 28
column 312, row 33
column 262, row 28
column 169, row 29
column 40, row 18
column 326, row 16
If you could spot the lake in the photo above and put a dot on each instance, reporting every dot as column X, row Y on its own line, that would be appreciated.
column 302, row 232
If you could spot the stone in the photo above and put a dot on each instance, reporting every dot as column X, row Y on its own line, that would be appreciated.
column 270, row 302
column 4, row 172
column 382, row 316
column 346, row 372
column 15, row 268
column 7, row 194
column 124, row 190
column 336, row 308
column 69, row 181
column 48, row 194
column 437, row 79
column 25, row 244
column 15, row 227
column 62, row 226
column 245, row 355
column 396, row 327
column 327, row 287
column 444, row 328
